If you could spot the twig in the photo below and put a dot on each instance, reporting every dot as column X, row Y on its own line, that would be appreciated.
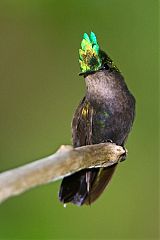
column 64, row 162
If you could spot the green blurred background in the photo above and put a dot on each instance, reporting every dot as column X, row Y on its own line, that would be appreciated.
column 39, row 90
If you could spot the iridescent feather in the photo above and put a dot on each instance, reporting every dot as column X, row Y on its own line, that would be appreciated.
column 89, row 57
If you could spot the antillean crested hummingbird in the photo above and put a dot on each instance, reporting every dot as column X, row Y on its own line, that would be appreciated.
column 106, row 113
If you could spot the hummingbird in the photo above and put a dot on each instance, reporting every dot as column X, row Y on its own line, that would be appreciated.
column 105, row 114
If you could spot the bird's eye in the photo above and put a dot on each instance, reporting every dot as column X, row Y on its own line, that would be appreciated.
column 106, row 66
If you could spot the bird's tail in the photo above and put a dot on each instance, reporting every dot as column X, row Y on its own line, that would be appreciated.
column 101, row 181
column 75, row 187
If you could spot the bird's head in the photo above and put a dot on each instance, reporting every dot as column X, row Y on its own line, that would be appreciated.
column 91, row 57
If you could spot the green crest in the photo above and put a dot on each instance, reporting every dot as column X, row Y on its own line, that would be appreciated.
column 89, row 58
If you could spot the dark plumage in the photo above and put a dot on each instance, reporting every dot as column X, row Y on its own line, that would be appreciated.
column 106, row 113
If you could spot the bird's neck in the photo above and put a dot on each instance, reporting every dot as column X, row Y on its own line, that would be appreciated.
column 104, row 85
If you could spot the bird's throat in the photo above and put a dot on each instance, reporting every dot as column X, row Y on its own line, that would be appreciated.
column 102, row 85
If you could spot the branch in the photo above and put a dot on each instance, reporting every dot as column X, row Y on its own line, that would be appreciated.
column 64, row 162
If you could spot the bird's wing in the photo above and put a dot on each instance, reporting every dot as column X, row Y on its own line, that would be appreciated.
column 76, row 187
column 82, row 124
column 96, row 179
column 86, row 185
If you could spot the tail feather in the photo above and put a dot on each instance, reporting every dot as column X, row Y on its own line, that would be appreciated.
column 75, row 187
column 102, row 179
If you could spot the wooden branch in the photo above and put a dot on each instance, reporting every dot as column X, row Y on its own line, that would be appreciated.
column 64, row 162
